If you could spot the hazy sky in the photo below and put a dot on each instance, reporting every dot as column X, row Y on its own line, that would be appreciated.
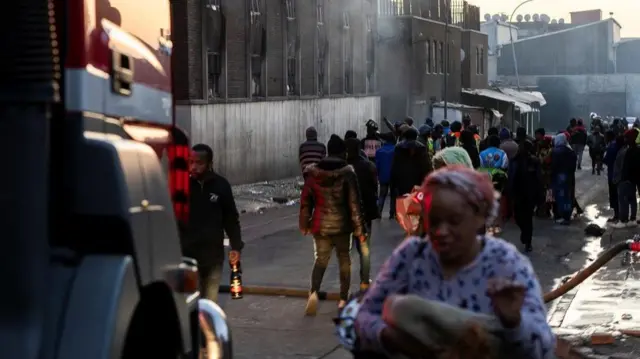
column 626, row 12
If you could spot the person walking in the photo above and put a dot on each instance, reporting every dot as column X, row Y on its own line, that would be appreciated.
column 372, row 142
column 613, row 146
column 384, row 160
column 213, row 213
column 469, row 143
column 579, row 141
column 627, row 162
column 411, row 163
column 508, row 145
column 495, row 163
column 311, row 151
column 597, row 146
column 525, row 185
column 563, row 160
column 368, row 187
column 330, row 210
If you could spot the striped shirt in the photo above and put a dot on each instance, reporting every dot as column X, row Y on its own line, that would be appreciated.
column 311, row 151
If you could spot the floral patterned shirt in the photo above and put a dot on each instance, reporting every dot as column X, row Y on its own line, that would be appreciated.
column 414, row 268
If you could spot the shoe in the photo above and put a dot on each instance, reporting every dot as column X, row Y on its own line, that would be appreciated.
column 612, row 220
column 593, row 172
column 563, row 222
column 392, row 216
column 528, row 248
column 632, row 224
column 579, row 212
column 341, row 304
column 364, row 286
column 312, row 305
column 619, row 225
column 497, row 230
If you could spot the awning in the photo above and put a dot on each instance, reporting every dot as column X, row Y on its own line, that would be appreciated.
column 456, row 105
column 525, row 96
column 497, row 95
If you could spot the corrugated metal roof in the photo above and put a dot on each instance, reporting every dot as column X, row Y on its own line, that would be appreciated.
column 524, row 107
column 524, row 96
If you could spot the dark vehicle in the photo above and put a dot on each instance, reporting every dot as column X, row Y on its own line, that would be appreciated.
column 95, row 188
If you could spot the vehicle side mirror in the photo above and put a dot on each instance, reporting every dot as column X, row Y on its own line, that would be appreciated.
column 215, row 333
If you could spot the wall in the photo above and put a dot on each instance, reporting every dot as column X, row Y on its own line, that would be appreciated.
column 579, row 95
column 258, row 141
column 627, row 55
column 581, row 50
column 474, row 65
column 408, row 74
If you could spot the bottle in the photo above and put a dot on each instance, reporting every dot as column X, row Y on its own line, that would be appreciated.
column 235, row 282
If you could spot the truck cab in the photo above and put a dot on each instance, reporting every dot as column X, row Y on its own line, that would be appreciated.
column 96, row 204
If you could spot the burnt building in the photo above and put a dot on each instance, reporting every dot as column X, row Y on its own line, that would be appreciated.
column 428, row 52
column 252, row 75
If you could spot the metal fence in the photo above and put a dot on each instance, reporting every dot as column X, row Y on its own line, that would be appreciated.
column 460, row 12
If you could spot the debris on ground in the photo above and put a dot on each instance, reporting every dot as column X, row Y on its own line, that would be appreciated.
column 258, row 197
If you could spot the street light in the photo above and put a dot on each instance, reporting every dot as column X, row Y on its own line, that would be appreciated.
column 513, row 48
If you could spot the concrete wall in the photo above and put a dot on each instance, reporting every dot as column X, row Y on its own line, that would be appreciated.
column 474, row 65
column 579, row 95
column 258, row 141
column 627, row 55
column 586, row 49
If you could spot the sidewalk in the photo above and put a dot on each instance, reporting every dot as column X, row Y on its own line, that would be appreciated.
column 258, row 197
column 595, row 316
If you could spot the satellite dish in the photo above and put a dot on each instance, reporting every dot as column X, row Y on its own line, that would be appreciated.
column 487, row 17
column 536, row 17
column 519, row 18
column 527, row 18
column 496, row 17
column 545, row 18
column 554, row 21
column 504, row 18
column 561, row 21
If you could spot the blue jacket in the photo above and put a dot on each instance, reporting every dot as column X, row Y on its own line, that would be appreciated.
column 610, row 158
column 494, row 157
column 384, row 159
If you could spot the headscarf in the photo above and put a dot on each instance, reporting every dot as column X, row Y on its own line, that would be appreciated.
column 474, row 186
column 560, row 141
column 453, row 156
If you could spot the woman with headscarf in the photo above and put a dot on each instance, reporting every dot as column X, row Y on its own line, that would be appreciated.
column 563, row 167
column 451, row 156
column 469, row 144
column 450, row 263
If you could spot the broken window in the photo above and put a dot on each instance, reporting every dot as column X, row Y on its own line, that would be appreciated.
column 371, row 54
column 346, row 53
column 214, row 45
column 321, row 43
column 257, row 41
column 292, row 46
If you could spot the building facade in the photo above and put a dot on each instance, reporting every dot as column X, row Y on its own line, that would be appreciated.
column 252, row 75
column 422, row 60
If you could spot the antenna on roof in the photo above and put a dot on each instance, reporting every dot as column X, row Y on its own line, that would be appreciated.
column 487, row 17
column 561, row 21
column 519, row 18
column 544, row 18
column 554, row 21
column 504, row 18
column 527, row 18
column 536, row 17
column 495, row 17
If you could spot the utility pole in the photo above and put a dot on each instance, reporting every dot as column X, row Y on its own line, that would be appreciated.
column 445, row 49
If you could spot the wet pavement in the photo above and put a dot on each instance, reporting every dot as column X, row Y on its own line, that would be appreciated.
column 277, row 254
column 262, row 196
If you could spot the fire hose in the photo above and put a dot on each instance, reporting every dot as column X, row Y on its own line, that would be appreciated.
column 632, row 245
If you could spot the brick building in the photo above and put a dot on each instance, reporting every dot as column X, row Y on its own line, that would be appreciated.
column 262, row 49
column 413, row 54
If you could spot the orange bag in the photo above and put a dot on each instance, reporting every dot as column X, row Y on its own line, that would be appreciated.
column 409, row 211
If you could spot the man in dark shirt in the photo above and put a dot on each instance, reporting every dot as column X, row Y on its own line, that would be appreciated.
column 212, row 213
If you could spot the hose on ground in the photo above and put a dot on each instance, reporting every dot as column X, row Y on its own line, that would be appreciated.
column 573, row 282
column 585, row 273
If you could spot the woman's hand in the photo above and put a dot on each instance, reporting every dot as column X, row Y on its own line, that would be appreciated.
column 507, row 298
column 396, row 341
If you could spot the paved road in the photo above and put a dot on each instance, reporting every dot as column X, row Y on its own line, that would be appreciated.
column 276, row 254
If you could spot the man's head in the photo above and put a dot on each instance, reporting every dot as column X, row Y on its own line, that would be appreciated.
column 540, row 134
column 493, row 131
column 372, row 127
column 456, row 126
column 466, row 121
column 311, row 133
column 630, row 137
column 473, row 129
column 493, row 141
column 609, row 136
column 445, row 123
column 201, row 160
column 410, row 134
column 521, row 133
column 336, row 147
column 505, row 134
column 437, row 131
column 352, row 146
column 573, row 122
column 429, row 122
column 409, row 121
column 350, row 134
column 424, row 131
column 596, row 130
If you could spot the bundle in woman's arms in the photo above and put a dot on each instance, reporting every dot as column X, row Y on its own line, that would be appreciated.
column 447, row 331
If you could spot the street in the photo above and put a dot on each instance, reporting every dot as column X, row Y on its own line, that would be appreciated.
column 276, row 254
